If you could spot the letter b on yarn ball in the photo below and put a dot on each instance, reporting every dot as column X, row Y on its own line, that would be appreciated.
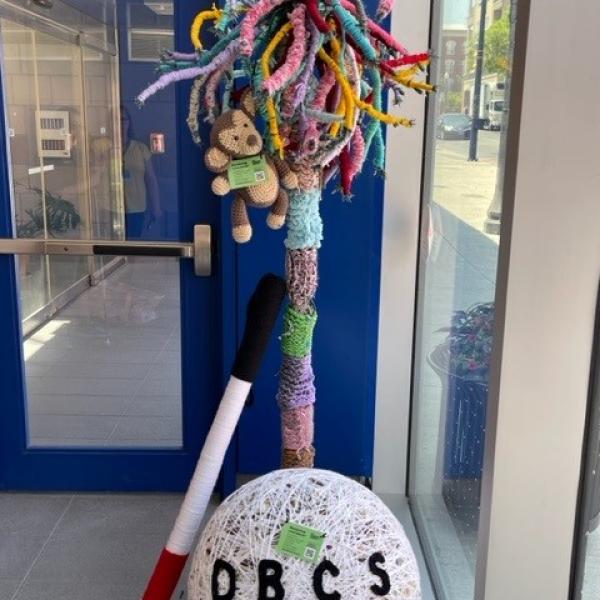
column 269, row 580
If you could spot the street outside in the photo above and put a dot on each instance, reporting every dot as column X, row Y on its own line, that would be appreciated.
column 466, row 188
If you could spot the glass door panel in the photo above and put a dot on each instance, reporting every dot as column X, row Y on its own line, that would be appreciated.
column 101, row 335
column 457, row 283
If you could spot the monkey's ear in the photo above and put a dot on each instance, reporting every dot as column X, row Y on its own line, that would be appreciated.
column 216, row 160
column 247, row 104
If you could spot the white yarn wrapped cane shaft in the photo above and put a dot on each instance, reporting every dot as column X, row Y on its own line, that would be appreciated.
column 209, row 464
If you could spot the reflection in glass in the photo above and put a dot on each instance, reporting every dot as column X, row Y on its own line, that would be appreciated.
column 457, row 283
column 101, row 335
column 587, row 574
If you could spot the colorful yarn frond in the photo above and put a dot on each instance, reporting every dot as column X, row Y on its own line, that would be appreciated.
column 318, row 70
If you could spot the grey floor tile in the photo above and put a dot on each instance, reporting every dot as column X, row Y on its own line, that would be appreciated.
column 107, row 557
column 161, row 387
column 62, row 442
column 148, row 429
column 108, row 356
column 169, row 357
column 54, row 404
column 28, row 514
column 26, row 522
column 8, row 587
column 70, row 427
column 151, row 406
column 18, row 552
column 82, row 370
column 118, row 515
column 79, row 590
column 87, row 386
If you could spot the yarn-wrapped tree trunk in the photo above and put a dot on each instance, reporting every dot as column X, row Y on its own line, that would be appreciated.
column 296, row 395
column 317, row 71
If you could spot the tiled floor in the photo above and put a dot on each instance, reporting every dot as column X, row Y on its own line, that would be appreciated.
column 97, row 547
column 106, row 370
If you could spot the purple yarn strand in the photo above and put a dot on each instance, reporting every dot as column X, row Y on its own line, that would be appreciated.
column 302, row 84
column 191, row 73
column 181, row 55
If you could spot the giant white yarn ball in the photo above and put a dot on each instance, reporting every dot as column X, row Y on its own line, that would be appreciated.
column 245, row 529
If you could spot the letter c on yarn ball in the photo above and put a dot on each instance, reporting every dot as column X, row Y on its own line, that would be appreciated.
column 385, row 587
column 223, row 567
column 325, row 566
column 269, row 580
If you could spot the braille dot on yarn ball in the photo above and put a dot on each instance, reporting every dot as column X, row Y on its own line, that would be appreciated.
column 364, row 541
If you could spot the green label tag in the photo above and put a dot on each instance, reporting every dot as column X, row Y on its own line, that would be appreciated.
column 301, row 542
column 244, row 172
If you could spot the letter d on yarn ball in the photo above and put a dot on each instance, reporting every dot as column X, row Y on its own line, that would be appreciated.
column 223, row 567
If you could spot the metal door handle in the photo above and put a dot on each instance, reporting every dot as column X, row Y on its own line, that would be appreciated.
column 200, row 249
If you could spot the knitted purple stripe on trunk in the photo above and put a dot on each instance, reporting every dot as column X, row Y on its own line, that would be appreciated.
column 296, row 383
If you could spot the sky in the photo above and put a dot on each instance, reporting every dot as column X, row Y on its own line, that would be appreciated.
column 456, row 12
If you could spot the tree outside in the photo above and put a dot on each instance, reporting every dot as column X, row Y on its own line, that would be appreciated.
column 496, row 52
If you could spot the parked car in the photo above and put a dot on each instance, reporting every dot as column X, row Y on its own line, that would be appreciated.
column 454, row 126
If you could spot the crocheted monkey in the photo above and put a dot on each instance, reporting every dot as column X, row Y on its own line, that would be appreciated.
column 234, row 135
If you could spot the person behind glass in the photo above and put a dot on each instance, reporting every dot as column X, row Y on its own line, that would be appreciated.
column 142, row 198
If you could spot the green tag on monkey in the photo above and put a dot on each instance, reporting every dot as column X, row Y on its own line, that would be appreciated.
column 245, row 172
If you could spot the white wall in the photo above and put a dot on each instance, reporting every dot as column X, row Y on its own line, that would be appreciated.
column 410, row 24
column 550, row 273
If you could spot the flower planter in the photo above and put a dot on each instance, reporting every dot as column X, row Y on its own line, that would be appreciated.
column 464, row 435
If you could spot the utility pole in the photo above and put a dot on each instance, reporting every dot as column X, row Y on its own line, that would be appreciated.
column 478, row 77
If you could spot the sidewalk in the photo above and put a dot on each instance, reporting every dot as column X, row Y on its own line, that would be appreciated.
column 465, row 188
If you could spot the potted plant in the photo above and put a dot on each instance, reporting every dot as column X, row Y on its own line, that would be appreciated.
column 462, row 362
column 60, row 216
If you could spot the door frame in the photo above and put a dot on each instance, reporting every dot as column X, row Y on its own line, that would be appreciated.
column 205, row 305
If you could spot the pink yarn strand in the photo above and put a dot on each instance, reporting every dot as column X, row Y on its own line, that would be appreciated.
column 311, row 135
column 293, row 60
column 357, row 152
column 253, row 16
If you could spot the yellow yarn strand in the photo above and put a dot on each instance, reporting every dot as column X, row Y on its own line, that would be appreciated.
column 406, row 78
column 342, row 107
column 352, row 99
column 266, row 69
column 334, row 130
column 345, row 85
column 214, row 14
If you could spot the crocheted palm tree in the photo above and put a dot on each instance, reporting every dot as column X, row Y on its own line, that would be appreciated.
column 318, row 71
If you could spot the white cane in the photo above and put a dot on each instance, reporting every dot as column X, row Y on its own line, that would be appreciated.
column 263, row 309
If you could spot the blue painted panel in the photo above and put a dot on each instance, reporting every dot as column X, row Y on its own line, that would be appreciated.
column 345, row 339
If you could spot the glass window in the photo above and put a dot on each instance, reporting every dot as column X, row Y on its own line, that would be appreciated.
column 455, row 315
column 587, row 574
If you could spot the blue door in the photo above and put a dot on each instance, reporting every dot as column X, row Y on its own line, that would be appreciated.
column 112, row 365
